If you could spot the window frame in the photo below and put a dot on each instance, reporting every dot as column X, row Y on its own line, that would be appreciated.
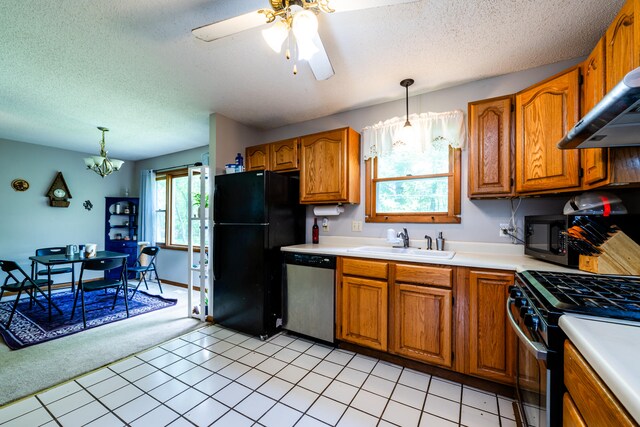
column 169, row 176
column 452, row 216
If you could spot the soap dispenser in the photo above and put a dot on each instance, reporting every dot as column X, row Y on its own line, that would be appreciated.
column 440, row 242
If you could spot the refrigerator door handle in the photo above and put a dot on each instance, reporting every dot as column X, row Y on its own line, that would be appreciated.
column 216, row 204
column 216, row 255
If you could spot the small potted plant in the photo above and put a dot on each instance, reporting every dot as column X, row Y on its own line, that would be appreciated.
column 197, row 200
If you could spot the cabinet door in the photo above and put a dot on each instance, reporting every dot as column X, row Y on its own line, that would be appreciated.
column 422, row 323
column 620, row 46
column 594, row 160
column 329, row 168
column 364, row 312
column 491, row 340
column 544, row 114
column 257, row 157
column 570, row 415
column 284, row 155
column 491, row 147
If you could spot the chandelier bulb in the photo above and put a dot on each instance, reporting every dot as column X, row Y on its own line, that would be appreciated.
column 295, row 69
column 287, row 54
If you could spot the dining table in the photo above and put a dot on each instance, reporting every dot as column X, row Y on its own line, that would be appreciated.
column 50, row 261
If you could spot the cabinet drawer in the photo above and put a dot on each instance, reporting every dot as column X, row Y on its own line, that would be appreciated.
column 595, row 402
column 432, row 276
column 359, row 267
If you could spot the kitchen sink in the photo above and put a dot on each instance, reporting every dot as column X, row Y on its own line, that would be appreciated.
column 386, row 250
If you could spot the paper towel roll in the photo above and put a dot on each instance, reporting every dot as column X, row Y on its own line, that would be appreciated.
column 328, row 210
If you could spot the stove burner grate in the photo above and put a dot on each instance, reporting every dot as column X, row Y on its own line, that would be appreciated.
column 614, row 296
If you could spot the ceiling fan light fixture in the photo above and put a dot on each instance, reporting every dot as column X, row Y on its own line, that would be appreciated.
column 275, row 35
column 304, row 24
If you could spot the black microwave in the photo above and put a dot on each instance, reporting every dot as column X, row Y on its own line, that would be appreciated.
column 545, row 238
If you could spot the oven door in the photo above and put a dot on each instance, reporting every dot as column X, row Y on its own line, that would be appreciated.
column 531, row 373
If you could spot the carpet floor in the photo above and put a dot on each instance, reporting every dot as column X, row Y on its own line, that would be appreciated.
column 36, row 368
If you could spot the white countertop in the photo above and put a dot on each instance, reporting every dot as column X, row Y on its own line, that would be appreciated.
column 468, row 254
column 612, row 350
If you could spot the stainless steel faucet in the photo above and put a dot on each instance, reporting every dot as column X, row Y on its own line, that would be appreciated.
column 404, row 235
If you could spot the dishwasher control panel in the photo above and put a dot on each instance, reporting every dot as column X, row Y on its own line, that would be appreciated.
column 311, row 260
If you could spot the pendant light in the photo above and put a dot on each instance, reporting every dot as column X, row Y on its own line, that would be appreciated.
column 102, row 164
column 407, row 133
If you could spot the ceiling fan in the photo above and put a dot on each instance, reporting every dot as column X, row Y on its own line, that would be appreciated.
column 293, row 21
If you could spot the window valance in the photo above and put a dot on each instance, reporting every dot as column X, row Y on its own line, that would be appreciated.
column 430, row 131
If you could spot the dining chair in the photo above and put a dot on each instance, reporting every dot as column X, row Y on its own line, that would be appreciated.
column 55, row 271
column 21, row 283
column 152, row 253
column 91, row 285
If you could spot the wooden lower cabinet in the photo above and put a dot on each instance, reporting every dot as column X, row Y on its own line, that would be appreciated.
column 422, row 323
column 364, row 312
column 491, row 348
column 593, row 403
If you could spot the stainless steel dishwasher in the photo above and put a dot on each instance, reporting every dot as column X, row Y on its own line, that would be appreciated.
column 309, row 290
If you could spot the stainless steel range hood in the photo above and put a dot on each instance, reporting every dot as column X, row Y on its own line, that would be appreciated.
column 613, row 122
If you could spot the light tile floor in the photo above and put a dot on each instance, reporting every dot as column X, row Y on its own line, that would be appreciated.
column 217, row 377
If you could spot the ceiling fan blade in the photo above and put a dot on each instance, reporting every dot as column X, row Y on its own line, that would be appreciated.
column 227, row 27
column 347, row 5
column 319, row 62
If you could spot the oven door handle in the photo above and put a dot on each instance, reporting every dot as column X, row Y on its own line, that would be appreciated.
column 538, row 350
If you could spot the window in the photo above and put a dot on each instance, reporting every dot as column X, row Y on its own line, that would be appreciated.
column 405, row 186
column 172, row 210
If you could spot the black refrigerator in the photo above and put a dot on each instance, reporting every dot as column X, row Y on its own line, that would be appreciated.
column 255, row 214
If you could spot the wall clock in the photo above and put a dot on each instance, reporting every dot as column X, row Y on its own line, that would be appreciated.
column 58, row 193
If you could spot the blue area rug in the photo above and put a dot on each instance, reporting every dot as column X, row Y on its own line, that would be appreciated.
column 32, row 326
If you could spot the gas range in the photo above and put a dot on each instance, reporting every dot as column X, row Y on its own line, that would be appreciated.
column 612, row 297
column 535, row 304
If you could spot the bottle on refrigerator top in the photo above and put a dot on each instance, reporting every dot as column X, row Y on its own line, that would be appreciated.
column 315, row 231
column 239, row 163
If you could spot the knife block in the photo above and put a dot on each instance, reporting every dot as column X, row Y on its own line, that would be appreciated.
column 620, row 255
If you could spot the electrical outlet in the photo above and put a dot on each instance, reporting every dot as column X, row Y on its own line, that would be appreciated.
column 325, row 225
column 504, row 230
column 356, row 225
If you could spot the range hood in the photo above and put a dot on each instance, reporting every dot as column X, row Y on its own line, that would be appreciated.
column 613, row 122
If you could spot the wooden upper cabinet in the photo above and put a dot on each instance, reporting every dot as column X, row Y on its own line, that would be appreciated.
column 491, row 339
column 491, row 148
column 257, row 158
column 284, row 155
column 544, row 114
column 594, row 160
column 621, row 45
column 330, row 167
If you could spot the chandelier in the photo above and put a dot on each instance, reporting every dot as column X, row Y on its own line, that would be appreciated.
column 102, row 164
column 299, row 28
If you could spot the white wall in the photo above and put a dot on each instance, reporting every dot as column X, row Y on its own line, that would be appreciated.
column 27, row 222
column 480, row 219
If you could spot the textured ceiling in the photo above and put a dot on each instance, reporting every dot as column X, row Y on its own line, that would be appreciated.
column 67, row 66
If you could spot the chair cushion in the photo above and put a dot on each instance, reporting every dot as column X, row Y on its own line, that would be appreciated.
column 14, row 287
column 139, row 269
column 62, row 270
column 101, row 284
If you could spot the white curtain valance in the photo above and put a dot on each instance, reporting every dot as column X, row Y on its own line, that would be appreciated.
column 430, row 131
